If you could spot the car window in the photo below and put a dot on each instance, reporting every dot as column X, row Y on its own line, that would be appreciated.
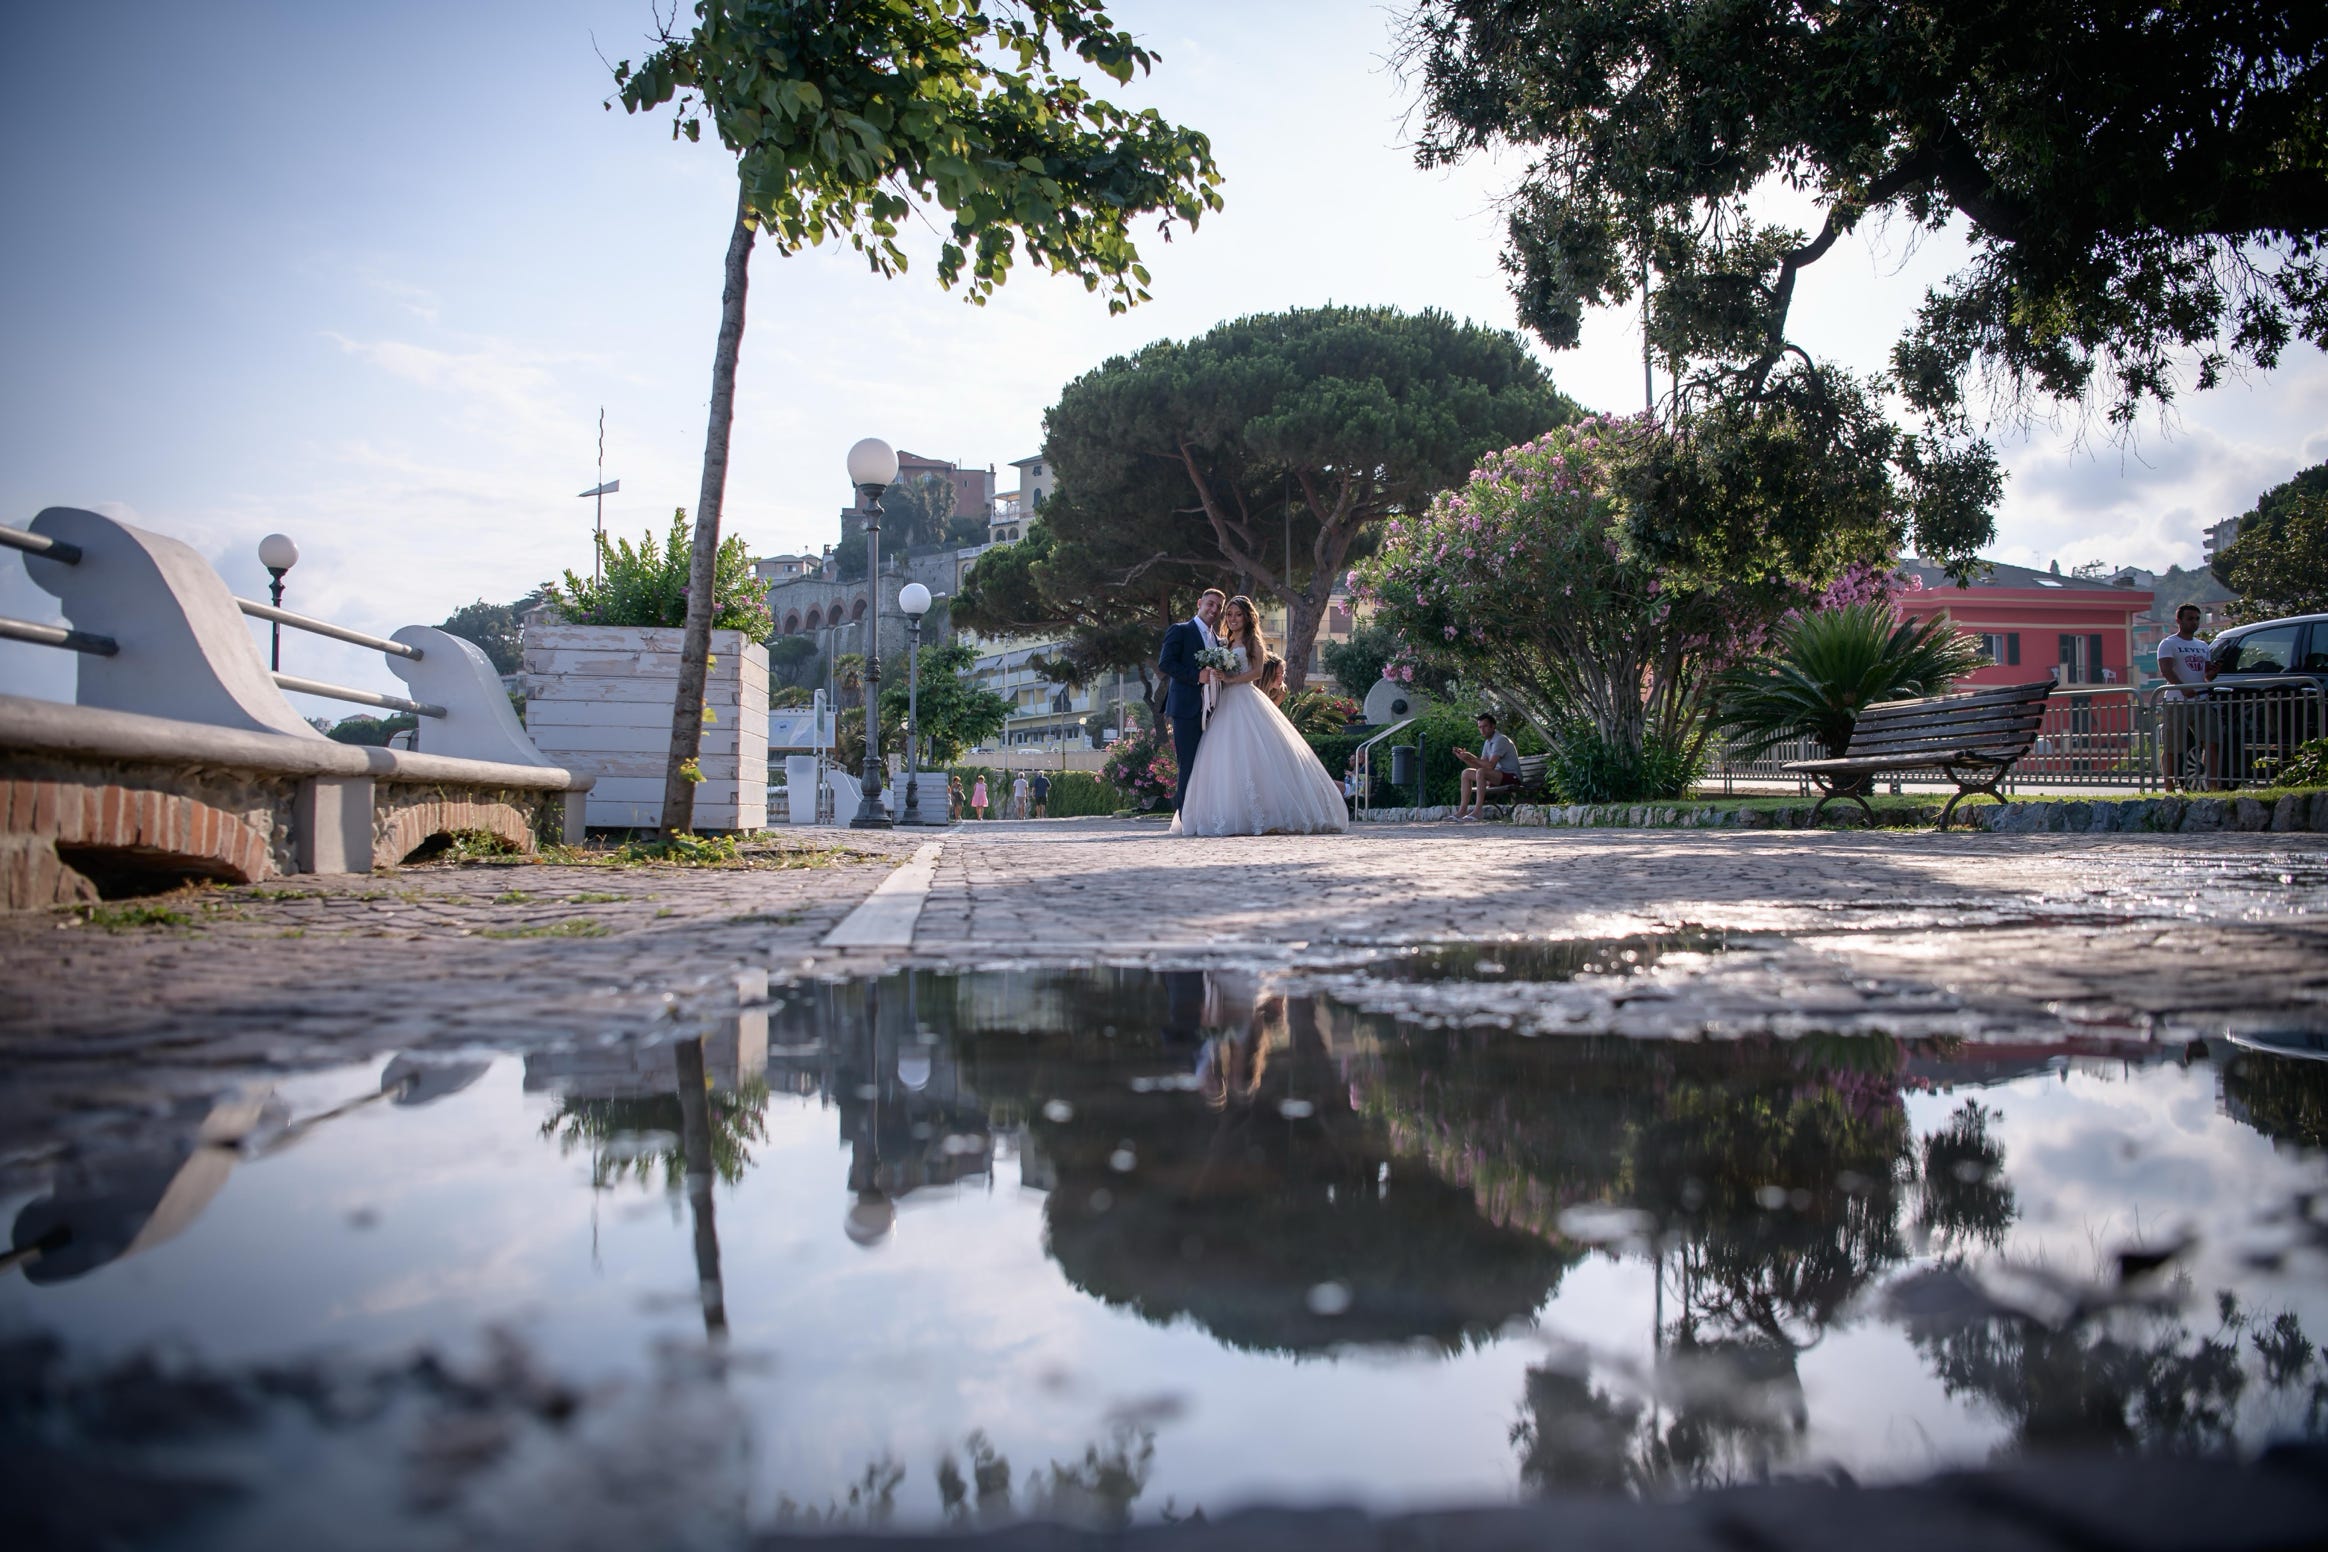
column 2316, row 656
column 2264, row 651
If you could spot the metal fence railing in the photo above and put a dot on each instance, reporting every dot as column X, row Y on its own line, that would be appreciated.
column 2116, row 736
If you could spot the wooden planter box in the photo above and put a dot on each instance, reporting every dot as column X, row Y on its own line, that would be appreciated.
column 598, row 699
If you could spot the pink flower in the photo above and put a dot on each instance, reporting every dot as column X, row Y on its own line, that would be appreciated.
column 1406, row 675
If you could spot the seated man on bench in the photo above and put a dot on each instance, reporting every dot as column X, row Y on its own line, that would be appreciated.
column 1495, row 768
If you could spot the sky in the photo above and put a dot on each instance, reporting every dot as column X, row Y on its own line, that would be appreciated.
column 366, row 276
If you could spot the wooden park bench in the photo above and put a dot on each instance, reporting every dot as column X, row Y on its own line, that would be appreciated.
column 1972, row 738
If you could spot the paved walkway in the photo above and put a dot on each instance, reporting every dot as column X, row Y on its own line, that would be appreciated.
column 1995, row 936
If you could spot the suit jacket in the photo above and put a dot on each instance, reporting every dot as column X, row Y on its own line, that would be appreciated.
column 1184, row 692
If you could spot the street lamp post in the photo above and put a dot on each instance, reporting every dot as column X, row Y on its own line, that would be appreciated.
column 278, row 554
column 872, row 469
column 914, row 599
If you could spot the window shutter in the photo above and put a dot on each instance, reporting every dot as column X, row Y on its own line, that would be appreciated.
column 2013, row 648
column 2094, row 657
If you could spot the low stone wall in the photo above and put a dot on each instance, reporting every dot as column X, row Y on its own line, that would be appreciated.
column 97, row 803
column 2296, row 811
column 65, row 824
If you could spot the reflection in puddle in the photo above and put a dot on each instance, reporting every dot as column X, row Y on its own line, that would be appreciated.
column 1567, row 959
column 958, row 1249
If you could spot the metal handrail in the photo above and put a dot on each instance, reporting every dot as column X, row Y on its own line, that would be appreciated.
column 340, row 692
column 40, row 544
column 260, row 611
column 1362, row 759
column 58, row 636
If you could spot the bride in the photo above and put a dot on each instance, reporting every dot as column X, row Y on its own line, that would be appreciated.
column 1253, row 774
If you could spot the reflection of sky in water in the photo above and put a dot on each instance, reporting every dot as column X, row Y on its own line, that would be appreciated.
column 391, row 1228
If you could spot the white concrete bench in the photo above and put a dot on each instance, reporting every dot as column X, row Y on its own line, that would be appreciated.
column 180, row 756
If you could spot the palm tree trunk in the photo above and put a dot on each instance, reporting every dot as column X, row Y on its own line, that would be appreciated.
column 695, row 647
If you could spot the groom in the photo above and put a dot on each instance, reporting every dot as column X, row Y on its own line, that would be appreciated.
column 1184, row 682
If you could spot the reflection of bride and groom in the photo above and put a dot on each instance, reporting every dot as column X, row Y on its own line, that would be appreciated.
column 1244, row 769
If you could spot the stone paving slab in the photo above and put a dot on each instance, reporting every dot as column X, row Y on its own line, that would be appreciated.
column 2141, row 937
column 1990, row 937
column 318, row 970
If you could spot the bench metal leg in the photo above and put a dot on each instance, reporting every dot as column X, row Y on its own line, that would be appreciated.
column 1831, row 793
column 1965, row 789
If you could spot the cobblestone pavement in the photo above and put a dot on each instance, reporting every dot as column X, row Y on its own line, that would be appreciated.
column 303, row 972
column 1992, row 936
column 1995, row 936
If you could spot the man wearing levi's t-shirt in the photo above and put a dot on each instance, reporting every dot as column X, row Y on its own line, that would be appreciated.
column 2182, row 722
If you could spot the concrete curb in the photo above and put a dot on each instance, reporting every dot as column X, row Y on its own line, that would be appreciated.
column 2299, row 812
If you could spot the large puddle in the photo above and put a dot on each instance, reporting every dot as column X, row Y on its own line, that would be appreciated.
column 1129, row 1245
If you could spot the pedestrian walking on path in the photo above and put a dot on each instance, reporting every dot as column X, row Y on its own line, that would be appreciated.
column 978, row 796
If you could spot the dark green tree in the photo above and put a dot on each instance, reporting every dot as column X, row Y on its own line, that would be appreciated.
column 2279, row 562
column 842, row 115
column 2144, row 185
column 1273, row 448
column 794, row 663
column 956, row 711
column 372, row 732
column 496, row 629
column 1106, row 585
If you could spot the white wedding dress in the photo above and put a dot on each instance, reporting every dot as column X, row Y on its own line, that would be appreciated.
column 1255, row 776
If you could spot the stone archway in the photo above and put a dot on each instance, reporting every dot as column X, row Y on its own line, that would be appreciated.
column 792, row 623
column 815, row 618
column 72, row 841
column 416, row 824
column 857, row 611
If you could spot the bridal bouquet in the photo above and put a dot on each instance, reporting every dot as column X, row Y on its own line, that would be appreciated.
column 1221, row 661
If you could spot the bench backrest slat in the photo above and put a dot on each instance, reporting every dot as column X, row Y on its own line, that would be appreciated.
column 1999, row 723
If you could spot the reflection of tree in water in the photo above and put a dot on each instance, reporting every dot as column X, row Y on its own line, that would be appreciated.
column 637, row 1138
column 2285, row 1098
column 1094, row 1493
column 1770, row 1173
column 1964, row 1201
column 2132, row 1379
column 1277, row 1217
column 1776, row 1165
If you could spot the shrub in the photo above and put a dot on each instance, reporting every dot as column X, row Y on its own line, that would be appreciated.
column 647, row 586
column 1527, row 579
column 1317, row 712
column 1827, row 665
column 1589, row 768
column 1142, row 768
column 2305, row 766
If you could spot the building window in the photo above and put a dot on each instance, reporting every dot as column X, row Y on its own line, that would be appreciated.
column 2001, row 648
column 2081, row 659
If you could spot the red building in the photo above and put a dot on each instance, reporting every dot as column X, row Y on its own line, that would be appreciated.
column 2033, row 623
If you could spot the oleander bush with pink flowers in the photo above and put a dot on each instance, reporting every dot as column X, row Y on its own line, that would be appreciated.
column 1524, row 581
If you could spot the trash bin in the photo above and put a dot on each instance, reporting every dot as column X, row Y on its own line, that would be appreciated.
column 800, row 788
column 1405, row 766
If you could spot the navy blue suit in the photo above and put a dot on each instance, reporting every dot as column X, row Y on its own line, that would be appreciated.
column 1183, row 697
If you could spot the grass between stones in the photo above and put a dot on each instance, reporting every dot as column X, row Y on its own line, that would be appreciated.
column 757, row 851
column 572, row 927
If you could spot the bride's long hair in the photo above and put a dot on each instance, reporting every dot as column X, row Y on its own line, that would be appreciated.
column 1255, row 644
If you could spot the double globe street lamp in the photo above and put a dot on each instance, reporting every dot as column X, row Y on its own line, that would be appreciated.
column 872, row 469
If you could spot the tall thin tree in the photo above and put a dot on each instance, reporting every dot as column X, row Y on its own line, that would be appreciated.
column 843, row 113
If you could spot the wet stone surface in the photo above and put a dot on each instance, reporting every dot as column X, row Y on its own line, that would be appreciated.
column 1159, row 1177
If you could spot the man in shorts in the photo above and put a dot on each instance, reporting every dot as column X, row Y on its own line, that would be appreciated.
column 2183, row 723
column 1018, row 796
column 1042, row 794
column 1494, row 768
